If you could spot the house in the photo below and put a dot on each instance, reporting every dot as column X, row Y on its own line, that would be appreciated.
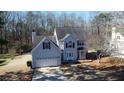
column 117, row 42
column 66, row 45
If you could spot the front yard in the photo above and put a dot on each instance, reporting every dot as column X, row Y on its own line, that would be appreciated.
column 84, row 71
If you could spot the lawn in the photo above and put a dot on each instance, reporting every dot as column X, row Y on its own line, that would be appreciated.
column 5, row 59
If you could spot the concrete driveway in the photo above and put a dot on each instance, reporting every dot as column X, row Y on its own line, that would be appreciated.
column 17, row 64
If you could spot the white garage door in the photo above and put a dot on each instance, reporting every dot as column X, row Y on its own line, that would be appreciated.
column 48, row 62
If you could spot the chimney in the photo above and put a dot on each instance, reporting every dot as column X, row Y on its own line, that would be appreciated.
column 33, row 35
column 113, row 33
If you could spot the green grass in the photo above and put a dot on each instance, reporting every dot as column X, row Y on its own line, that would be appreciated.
column 5, row 59
column 1, row 61
column 5, row 56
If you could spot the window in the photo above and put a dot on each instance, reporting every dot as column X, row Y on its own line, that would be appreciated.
column 69, row 54
column 73, row 45
column 82, row 53
column 46, row 45
column 80, row 43
column 66, row 45
column 118, row 37
column 70, row 44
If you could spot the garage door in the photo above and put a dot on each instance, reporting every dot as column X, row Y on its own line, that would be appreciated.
column 48, row 62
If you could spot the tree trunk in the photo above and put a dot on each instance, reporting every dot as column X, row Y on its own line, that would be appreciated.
column 1, row 50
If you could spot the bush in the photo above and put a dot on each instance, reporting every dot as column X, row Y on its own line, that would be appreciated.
column 23, row 49
column 12, row 53
column 91, row 55
column 29, row 63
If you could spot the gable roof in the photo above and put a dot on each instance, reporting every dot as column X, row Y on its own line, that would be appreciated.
column 68, row 35
column 37, row 39
column 41, row 41
column 76, row 32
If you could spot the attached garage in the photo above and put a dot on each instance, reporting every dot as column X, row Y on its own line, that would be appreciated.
column 48, row 62
column 46, row 54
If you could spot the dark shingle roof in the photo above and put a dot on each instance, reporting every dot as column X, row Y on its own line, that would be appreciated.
column 75, row 32
column 37, row 39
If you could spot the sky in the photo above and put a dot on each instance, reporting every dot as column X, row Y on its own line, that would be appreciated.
column 84, row 14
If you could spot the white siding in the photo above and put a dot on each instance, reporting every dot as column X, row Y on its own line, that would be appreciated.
column 40, row 54
column 117, row 44
column 70, row 50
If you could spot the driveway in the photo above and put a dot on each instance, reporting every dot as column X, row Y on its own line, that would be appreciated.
column 48, row 74
column 17, row 64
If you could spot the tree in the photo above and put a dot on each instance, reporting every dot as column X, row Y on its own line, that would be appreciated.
column 1, row 31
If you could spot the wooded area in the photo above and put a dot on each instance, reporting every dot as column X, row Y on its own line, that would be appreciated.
column 16, row 27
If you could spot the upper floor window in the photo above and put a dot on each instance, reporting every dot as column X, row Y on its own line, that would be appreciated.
column 46, row 45
column 73, row 45
column 118, row 37
column 80, row 43
column 70, row 44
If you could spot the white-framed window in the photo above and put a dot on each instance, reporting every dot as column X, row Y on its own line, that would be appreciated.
column 46, row 45
column 80, row 43
column 70, row 54
column 70, row 44
column 118, row 37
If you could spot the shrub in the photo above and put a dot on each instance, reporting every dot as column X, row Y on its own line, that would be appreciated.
column 12, row 53
column 23, row 49
column 29, row 63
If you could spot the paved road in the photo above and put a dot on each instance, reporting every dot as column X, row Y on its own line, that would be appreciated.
column 17, row 64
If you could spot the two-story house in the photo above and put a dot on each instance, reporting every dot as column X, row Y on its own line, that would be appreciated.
column 66, row 45
column 117, row 42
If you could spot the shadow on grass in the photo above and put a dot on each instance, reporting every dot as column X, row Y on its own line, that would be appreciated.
column 16, row 76
column 4, row 62
column 108, row 74
column 1, row 61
